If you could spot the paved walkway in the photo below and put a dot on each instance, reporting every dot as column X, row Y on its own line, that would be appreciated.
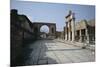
column 79, row 44
column 54, row 52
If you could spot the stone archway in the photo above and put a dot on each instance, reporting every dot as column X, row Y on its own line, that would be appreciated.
column 51, row 26
column 44, row 31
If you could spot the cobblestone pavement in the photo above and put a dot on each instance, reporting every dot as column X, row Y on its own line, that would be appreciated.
column 54, row 52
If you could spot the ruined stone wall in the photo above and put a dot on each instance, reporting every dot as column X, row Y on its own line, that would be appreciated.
column 21, row 33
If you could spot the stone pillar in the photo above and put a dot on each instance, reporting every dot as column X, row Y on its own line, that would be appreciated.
column 73, row 26
column 69, row 35
column 80, row 36
column 66, row 36
column 87, row 36
column 69, row 32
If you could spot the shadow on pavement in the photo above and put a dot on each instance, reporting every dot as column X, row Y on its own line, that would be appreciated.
column 38, row 57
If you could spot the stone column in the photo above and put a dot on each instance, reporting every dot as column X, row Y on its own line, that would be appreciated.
column 69, row 36
column 65, row 33
column 87, row 36
column 80, row 36
column 66, row 36
column 69, row 32
column 73, row 26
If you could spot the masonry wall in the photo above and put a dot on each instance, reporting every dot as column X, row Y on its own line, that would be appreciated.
column 21, row 33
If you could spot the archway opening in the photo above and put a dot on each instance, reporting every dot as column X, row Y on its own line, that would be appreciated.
column 44, row 30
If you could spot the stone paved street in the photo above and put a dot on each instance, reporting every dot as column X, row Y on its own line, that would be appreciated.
column 54, row 52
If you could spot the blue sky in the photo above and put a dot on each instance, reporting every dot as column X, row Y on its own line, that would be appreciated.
column 53, row 12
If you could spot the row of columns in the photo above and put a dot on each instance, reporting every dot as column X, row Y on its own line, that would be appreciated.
column 71, row 32
column 84, row 36
column 71, row 26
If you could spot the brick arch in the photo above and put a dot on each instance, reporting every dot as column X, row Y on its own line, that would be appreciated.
column 51, row 26
column 45, row 26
